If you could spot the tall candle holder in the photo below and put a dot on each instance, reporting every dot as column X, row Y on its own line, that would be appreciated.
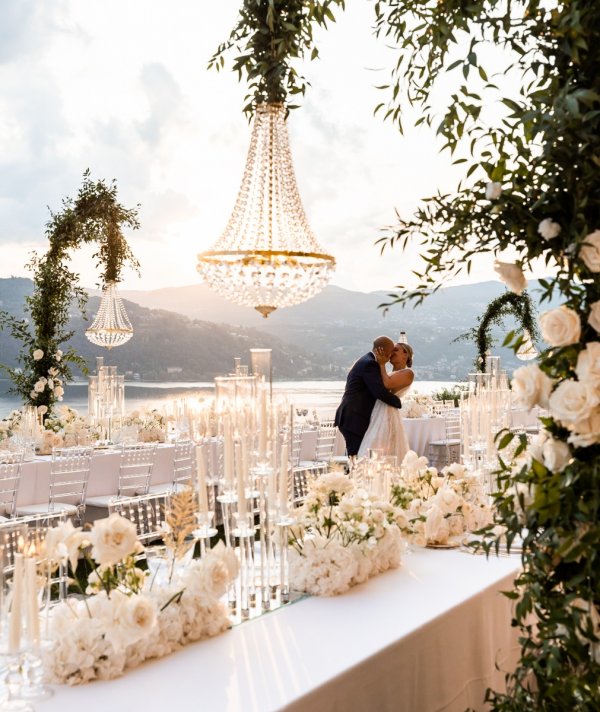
column 106, row 398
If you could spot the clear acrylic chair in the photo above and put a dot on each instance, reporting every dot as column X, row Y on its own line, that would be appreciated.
column 135, row 471
column 10, row 476
column 184, row 468
column 445, row 452
column 69, row 477
column 147, row 512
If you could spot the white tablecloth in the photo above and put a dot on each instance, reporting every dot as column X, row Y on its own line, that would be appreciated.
column 34, row 487
column 424, row 638
column 419, row 431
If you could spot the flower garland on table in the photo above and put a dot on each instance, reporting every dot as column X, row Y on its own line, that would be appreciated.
column 440, row 507
column 342, row 537
column 126, row 618
column 9, row 426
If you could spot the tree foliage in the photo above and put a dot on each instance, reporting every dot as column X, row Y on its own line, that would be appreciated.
column 268, row 38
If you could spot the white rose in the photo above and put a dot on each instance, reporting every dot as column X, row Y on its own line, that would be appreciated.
column 586, row 432
column 50, row 384
column 58, row 355
column 139, row 616
column 594, row 316
column 63, row 543
column 53, row 371
column 39, row 387
column 38, row 355
column 590, row 251
column 588, row 366
column 59, row 391
column 512, row 275
column 531, row 386
column 42, row 409
column 113, row 539
column 493, row 190
column 560, row 327
column 549, row 229
column 571, row 401
column 556, row 454
column 33, row 395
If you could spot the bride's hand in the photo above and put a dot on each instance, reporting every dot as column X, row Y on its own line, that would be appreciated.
column 380, row 356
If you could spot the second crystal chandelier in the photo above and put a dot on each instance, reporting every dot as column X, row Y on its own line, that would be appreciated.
column 267, row 257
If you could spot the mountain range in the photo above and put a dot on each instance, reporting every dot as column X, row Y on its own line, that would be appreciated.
column 189, row 333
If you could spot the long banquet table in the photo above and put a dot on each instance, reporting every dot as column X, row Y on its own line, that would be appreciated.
column 424, row 638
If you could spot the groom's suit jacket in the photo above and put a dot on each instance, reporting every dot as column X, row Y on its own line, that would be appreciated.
column 363, row 387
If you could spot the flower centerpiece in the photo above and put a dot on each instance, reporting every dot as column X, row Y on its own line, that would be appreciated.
column 151, row 425
column 440, row 507
column 9, row 426
column 126, row 618
column 417, row 406
column 342, row 537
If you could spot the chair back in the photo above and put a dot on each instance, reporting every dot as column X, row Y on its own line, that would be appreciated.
column 69, row 476
column 20, row 532
column 147, row 512
column 442, row 407
column 325, row 441
column 10, row 476
column 452, row 424
column 296, row 444
column 135, row 469
column 184, row 463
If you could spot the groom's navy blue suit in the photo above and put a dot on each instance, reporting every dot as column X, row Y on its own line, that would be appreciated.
column 363, row 387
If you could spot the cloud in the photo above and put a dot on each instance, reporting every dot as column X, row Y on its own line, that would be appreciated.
column 164, row 98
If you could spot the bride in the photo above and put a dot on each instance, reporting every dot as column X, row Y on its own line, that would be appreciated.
column 386, row 431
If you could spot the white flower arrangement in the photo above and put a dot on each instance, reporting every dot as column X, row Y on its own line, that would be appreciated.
column 128, row 619
column 549, row 229
column 342, row 537
column 439, row 507
column 417, row 406
column 10, row 425
column 151, row 424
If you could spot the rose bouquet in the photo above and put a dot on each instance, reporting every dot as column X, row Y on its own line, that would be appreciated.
column 342, row 536
column 151, row 424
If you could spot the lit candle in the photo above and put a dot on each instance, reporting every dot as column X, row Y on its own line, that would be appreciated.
column 241, row 483
column 15, row 622
column 263, row 432
column 33, row 609
column 202, row 491
column 283, row 480
column 227, row 453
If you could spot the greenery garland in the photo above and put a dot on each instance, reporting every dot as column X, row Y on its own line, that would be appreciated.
column 95, row 216
column 509, row 303
column 268, row 37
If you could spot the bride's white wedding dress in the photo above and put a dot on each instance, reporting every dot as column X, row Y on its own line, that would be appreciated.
column 386, row 430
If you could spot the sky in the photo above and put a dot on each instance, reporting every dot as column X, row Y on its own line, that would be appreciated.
column 121, row 87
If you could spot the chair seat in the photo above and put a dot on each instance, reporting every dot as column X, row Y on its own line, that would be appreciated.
column 164, row 488
column 101, row 500
column 70, row 509
column 443, row 443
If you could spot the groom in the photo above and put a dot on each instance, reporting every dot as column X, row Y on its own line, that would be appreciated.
column 363, row 387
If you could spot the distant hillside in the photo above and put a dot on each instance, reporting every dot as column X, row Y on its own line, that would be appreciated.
column 169, row 346
column 342, row 323
column 320, row 338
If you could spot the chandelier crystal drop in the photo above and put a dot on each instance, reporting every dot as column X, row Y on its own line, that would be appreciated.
column 268, row 256
column 526, row 350
column 111, row 326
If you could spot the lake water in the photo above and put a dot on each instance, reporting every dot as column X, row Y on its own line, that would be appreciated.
column 324, row 396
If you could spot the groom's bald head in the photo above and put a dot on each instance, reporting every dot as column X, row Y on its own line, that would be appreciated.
column 385, row 344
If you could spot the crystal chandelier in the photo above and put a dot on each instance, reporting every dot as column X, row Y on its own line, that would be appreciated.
column 526, row 350
column 267, row 257
column 111, row 326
